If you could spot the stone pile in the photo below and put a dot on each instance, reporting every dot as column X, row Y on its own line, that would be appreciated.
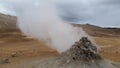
column 85, row 50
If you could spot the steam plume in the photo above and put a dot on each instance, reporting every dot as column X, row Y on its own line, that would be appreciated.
column 40, row 20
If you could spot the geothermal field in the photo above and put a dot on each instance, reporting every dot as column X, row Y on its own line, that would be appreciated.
column 101, row 49
column 59, row 34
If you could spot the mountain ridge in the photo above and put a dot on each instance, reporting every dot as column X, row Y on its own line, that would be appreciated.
column 8, row 24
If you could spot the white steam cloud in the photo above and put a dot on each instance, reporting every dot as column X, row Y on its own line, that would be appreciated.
column 40, row 20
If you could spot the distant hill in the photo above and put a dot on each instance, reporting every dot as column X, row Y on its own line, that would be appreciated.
column 99, row 31
column 8, row 23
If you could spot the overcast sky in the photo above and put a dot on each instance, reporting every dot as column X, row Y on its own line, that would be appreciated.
column 104, row 13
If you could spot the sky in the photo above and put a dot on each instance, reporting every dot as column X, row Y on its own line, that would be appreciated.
column 105, row 13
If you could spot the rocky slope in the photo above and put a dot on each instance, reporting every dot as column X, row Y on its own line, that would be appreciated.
column 7, row 23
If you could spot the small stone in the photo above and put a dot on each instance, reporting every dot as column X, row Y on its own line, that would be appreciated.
column 14, row 55
column 5, row 61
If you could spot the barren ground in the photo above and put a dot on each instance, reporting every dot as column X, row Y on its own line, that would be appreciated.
column 19, row 49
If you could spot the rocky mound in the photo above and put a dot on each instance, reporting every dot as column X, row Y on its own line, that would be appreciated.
column 83, row 54
column 83, row 50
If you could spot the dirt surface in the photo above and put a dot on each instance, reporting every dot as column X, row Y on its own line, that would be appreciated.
column 16, row 48
column 19, row 49
column 110, row 47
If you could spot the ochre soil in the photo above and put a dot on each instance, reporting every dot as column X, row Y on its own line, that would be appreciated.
column 18, row 48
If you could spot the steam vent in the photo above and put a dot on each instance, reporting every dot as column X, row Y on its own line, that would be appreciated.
column 83, row 54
